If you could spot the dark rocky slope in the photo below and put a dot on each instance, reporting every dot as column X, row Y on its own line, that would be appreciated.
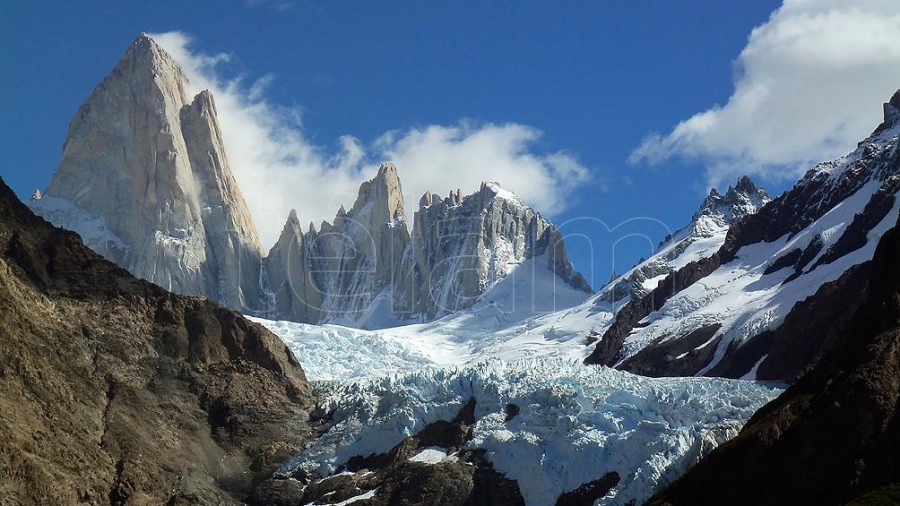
column 114, row 391
column 831, row 437
column 391, row 478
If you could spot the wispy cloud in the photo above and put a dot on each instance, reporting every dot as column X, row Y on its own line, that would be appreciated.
column 278, row 168
column 808, row 86
column 280, row 5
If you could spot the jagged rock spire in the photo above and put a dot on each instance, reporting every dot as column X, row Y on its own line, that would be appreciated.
column 146, row 162
column 744, row 198
column 336, row 274
column 366, row 269
column 891, row 114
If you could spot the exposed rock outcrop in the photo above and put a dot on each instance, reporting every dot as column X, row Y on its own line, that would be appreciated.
column 464, row 476
column 832, row 436
column 115, row 391
column 365, row 269
column 144, row 179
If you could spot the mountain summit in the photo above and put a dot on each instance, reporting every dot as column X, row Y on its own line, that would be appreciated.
column 742, row 199
column 701, row 237
column 365, row 269
column 145, row 180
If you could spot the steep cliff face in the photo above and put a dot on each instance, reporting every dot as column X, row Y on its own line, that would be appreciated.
column 463, row 246
column 145, row 180
column 366, row 270
column 114, row 391
column 345, row 272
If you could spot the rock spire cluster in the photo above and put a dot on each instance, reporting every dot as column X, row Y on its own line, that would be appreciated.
column 145, row 180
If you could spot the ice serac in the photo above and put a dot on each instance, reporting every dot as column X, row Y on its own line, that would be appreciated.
column 366, row 270
column 145, row 180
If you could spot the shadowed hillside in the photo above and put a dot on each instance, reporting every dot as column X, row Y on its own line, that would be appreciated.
column 834, row 435
column 114, row 391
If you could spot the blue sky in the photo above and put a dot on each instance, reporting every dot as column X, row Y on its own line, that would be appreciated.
column 593, row 111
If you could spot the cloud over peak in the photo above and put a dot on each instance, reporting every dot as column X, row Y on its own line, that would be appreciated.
column 279, row 168
column 808, row 86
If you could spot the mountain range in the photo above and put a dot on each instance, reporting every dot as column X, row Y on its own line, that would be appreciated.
column 456, row 357
column 145, row 180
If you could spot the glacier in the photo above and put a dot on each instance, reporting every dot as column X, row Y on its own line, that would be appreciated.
column 523, row 343
column 575, row 423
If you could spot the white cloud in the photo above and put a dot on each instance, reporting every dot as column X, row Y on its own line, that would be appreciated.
column 809, row 85
column 279, row 169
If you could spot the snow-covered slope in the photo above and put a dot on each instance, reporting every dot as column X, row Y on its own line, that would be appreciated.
column 725, row 305
column 574, row 424
column 702, row 237
column 529, row 312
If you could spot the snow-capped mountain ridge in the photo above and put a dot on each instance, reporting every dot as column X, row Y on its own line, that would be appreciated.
column 697, row 240
column 742, row 199
column 716, row 307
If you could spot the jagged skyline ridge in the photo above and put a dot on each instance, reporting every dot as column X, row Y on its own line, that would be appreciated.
column 608, row 120
column 145, row 180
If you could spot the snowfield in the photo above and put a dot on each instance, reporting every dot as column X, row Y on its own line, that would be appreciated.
column 531, row 312
column 576, row 423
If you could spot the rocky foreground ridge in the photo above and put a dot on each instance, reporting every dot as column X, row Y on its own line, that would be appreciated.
column 114, row 391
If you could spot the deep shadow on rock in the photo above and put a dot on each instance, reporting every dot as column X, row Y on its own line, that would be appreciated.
column 114, row 391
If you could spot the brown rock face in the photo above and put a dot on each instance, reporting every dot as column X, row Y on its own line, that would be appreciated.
column 832, row 436
column 145, row 163
column 114, row 391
